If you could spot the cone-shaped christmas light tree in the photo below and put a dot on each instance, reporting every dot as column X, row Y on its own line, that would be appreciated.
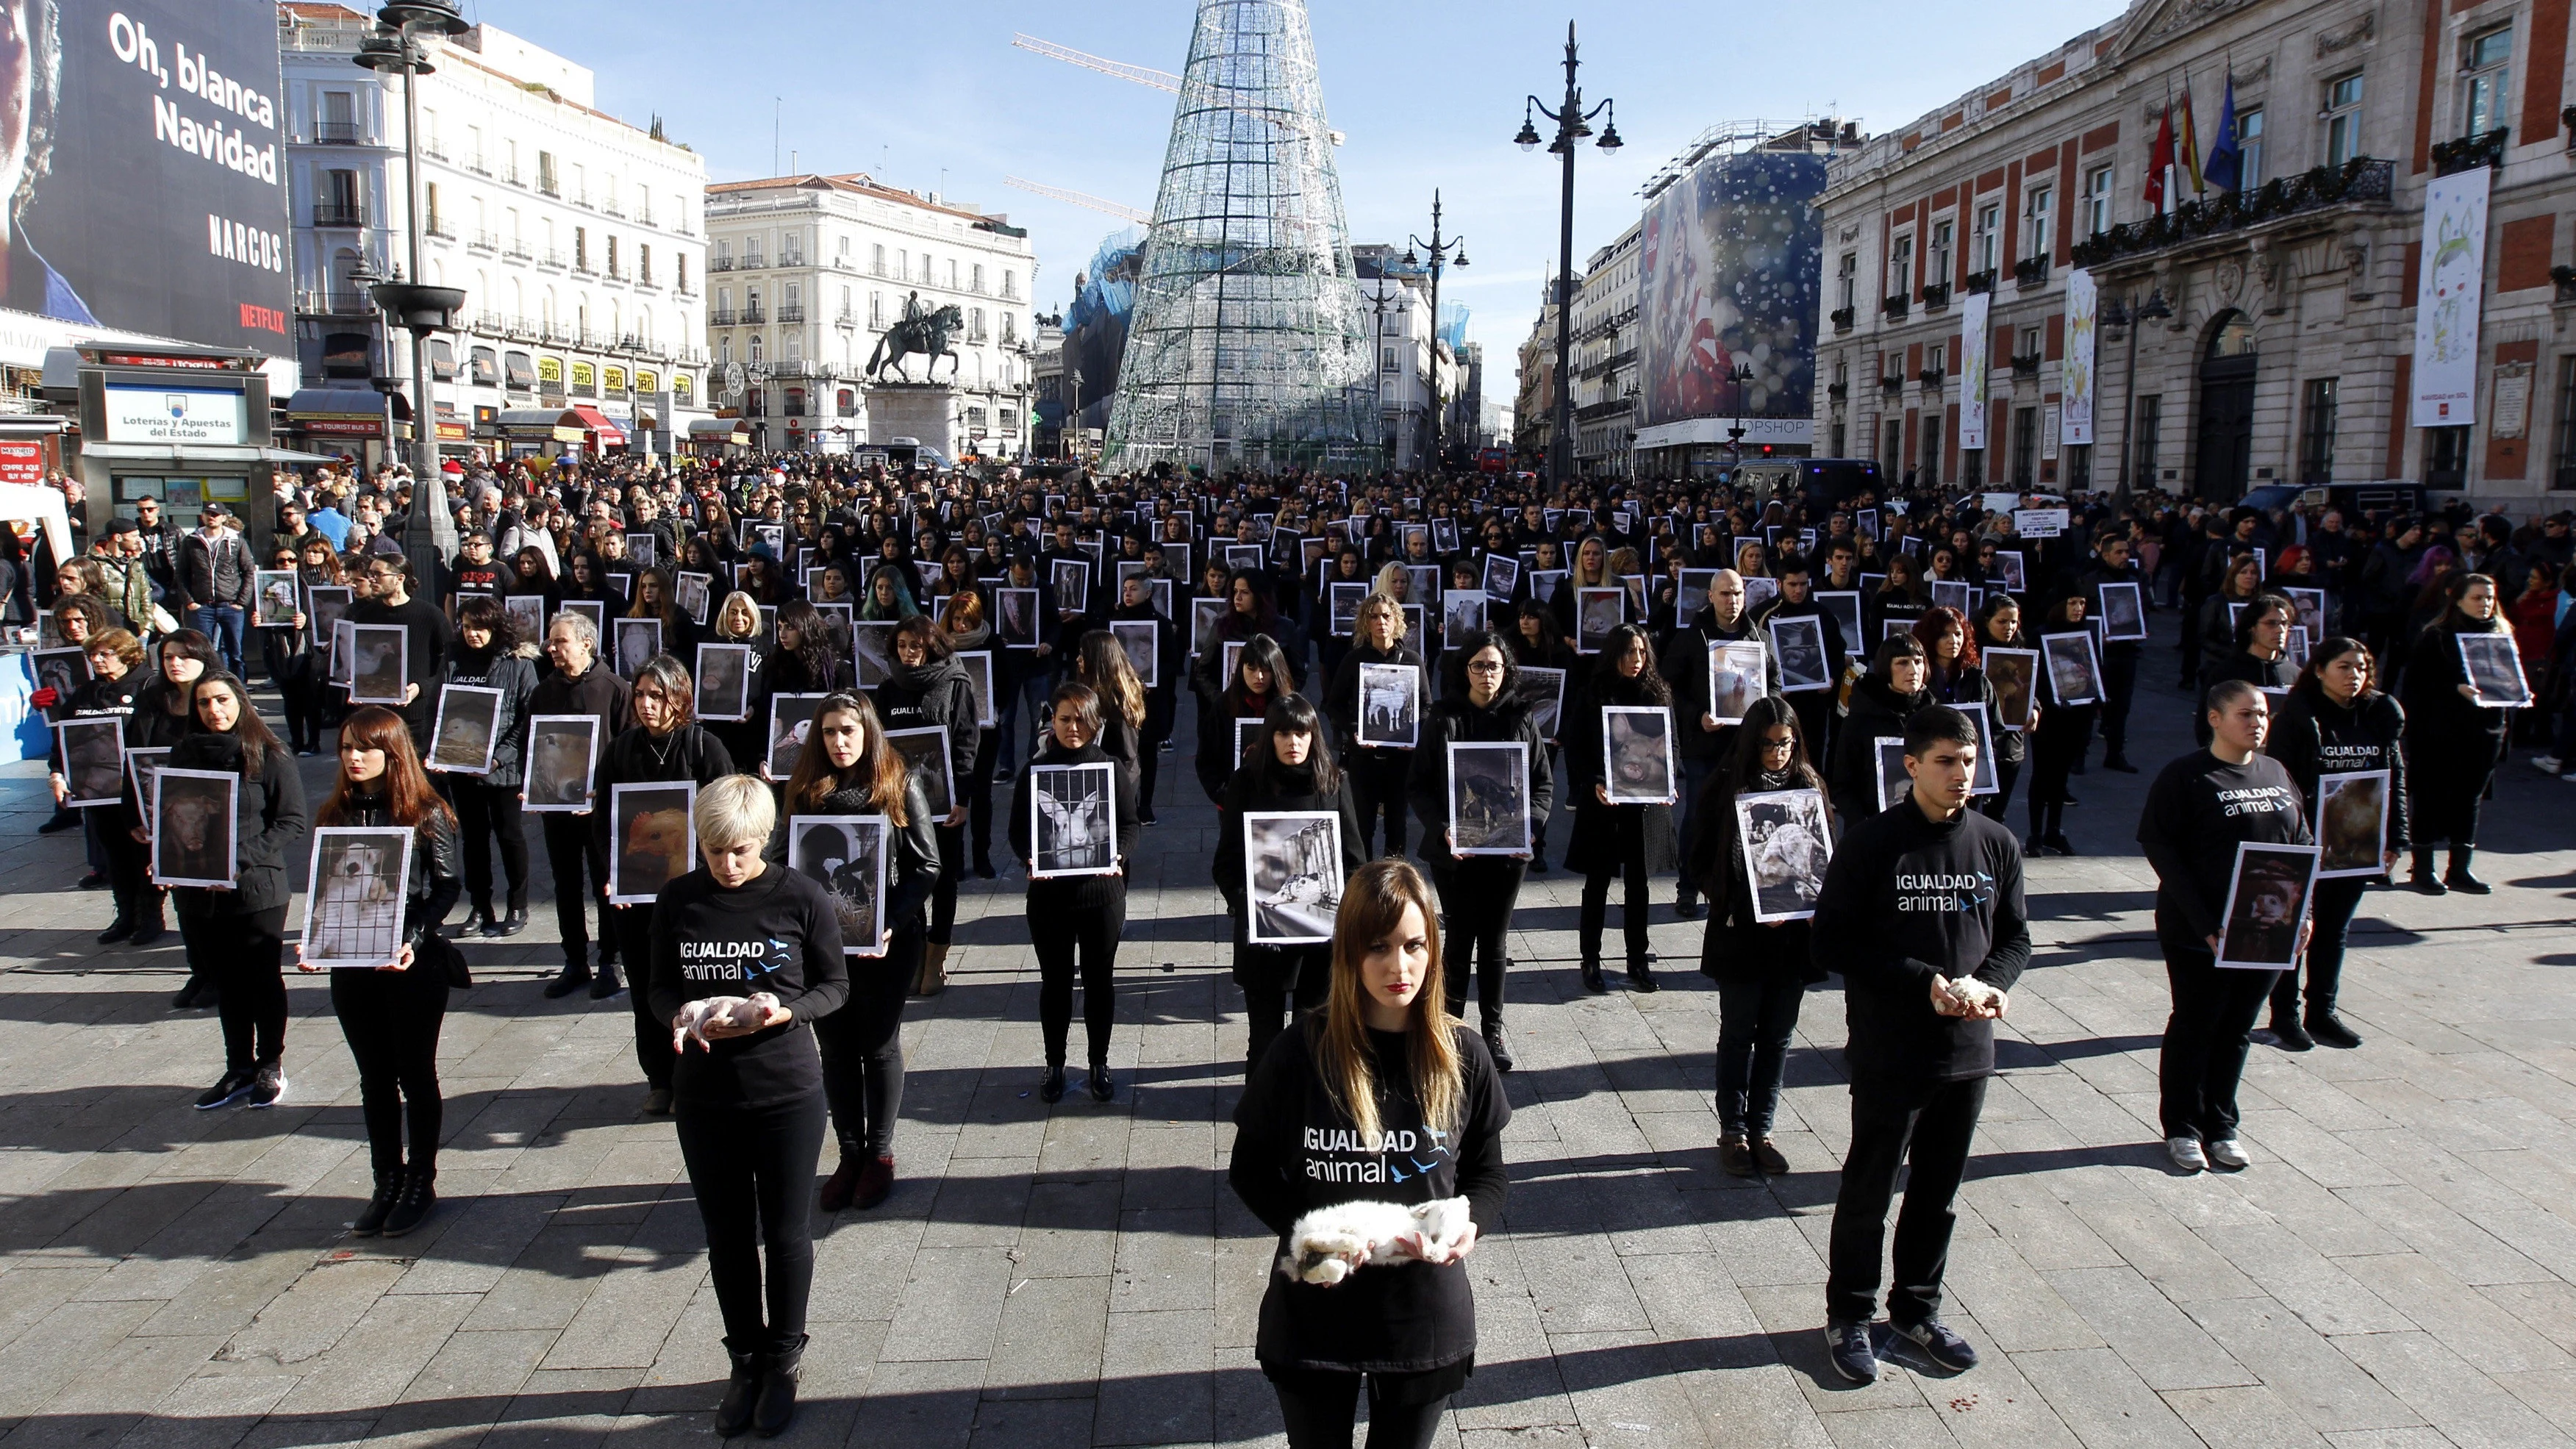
column 1249, row 345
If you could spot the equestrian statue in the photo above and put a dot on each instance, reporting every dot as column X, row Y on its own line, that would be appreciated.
column 924, row 330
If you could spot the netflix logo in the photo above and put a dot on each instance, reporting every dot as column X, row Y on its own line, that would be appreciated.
column 263, row 319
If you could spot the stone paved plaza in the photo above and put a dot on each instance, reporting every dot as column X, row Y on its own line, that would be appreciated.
column 2397, row 1270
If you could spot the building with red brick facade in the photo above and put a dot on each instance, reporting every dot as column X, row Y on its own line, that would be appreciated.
column 2264, row 334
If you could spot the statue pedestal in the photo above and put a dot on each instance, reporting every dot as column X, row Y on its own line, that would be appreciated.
column 925, row 412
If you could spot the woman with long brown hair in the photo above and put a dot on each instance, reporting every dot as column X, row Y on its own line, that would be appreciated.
column 1382, row 1096
column 1634, row 842
column 1101, row 662
column 847, row 768
column 928, row 689
column 1288, row 768
column 390, row 1012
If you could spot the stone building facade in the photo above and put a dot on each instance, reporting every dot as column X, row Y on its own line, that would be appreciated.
column 2249, row 338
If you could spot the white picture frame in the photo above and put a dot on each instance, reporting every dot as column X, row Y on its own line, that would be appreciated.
column 979, row 679
column 466, row 731
column 1390, row 706
column 1895, row 782
column 360, row 883
column 1798, row 642
column 1015, row 618
column 791, row 718
column 925, row 752
column 652, row 838
column 2269, row 892
column 194, row 842
column 2012, row 570
column 1142, row 640
column 1638, row 762
column 379, row 663
column 872, row 658
column 274, row 594
column 1502, row 577
column 724, row 682
column 1292, row 867
column 563, row 763
column 143, row 768
column 1844, row 606
column 638, row 640
column 2352, row 824
column 1787, row 845
column 2491, row 666
column 1738, row 674
column 1489, row 798
column 1073, row 820
column 2074, row 669
column 693, row 593
column 1069, row 585
column 93, row 751
column 1597, row 611
column 846, row 855
column 1983, row 780
column 1544, row 691
column 1462, row 617
column 1343, row 597
column 2124, row 614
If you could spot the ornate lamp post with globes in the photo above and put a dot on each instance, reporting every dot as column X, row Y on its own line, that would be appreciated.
column 1573, row 123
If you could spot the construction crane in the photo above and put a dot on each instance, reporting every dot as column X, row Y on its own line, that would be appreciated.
column 1147, row 76
column 1057, row 193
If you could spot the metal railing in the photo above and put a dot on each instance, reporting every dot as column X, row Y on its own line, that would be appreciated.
column 792, row 313
column 333, row 213
column 486, row 241
column 721, row 317
column 754, row 317
column 339, row 133
column 334, row 304
column 720, row 264
column 2362, row 181
column 553, row 259
column 517, row 251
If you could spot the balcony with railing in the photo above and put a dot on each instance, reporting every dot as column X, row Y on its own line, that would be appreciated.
column 792, row 312
column 484, row 241
column 339, row 133
column 433, row 151
column 845, row 318
column 720, row 264
column 511, row 175
column 582, row 267
column 722, row 317
column 1936, row 295
column 616, row 273
column 2031, row 272
column 553, row 261
column 321, row 303
column 479, row 166
column 491, row 324
column 684, row 288
column 2359, row 182
column 1843, row 318
column 441, row 227
column 754, row 317
column 339, row 213
column 1896, row 305
column 608, row 207
column 549, row 184
column 517, row 251
column 560, row 332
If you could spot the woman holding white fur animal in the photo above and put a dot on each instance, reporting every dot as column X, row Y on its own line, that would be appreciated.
column 748, row 1089
column 1360, row 1137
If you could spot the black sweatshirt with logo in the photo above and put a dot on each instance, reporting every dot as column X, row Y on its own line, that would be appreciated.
column 2197, row 812
column 1908, row 898
column 775, row 933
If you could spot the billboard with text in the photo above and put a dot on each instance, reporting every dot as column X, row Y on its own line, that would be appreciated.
column 1729, row 270
column 142, row 149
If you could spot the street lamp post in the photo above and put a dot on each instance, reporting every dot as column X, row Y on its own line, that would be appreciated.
column 1573, row 123
column 1440, row 256
column 394, row 47
column 1742, row 376
column 2153, row 309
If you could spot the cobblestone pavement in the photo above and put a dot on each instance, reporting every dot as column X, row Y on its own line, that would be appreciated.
column 2398, row 1268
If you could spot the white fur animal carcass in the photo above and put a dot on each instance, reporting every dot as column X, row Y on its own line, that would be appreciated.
column 694, row 1018
column 1330, row 1243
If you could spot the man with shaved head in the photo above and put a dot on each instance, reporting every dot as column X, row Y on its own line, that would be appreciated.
column 1704, row 743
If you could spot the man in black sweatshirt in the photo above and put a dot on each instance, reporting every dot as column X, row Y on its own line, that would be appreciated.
column 1922, row 914
column 1703, row 743
column 580, row 685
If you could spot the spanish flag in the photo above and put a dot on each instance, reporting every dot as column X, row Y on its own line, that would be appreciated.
column 2187, row 141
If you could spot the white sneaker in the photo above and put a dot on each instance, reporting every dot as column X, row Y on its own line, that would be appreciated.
column 2186, row 1154
column 2548, row 764
column 2228, row 1153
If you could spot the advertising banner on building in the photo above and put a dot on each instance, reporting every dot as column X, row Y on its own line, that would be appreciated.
column 1976, row 338
column 2449, row 290
column 2075, row 378
column 146, row 169
column 1730, row 259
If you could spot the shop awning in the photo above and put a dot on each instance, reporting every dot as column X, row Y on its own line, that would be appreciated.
column 199, row 453
column 344, row 412
column 545, row 425
column 594, row 421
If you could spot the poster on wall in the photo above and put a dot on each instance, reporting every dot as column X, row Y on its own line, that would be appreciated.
column 1976, row 340
column 148, row 175
column 2075, row 370
column 2449, row 289
column 1729, row 266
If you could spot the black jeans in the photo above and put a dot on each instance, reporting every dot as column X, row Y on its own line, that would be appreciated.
column 1378, row 784
column 1930, row 1126
column 243, row 955
column 1269, row 1009
column 1476, row 899
column 484, row 812
column 1619, row 849
column 1997, row 805
column 1322, row 1413
column 391, row 1020
column 943, row 896
column 1160, row 705
column 1061, row 932
column 752, row 1169
column 570, row 848
column 2206, row 1039
column 2443, row 797
column 1755, row 1019
column 302, row 695
column 2332, row 908
column 630, row 930
column 2119, row 684
column 863, row 1048
column 979, row 794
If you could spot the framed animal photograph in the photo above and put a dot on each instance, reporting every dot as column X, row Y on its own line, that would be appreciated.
column 1691, row 595
column 1736, row 678
column 652, row 841
column 1015, row 617
column 791, row 718
column 341, row 654
column 1544, row 584
column 467, row 729
column 2492, row 667
column 1786, row 849
column 143, row 767
column 1799, row 644
column 1894, row 782
column 2294, row 649
column 563, row 753
column 62, row 670
column 724, row 682
column 1951, row 594
column 93, row 760
column 323, row 606
column 2352, row 824
column 2011, row 571
column 2014, row 673
column 1345, row 600
column 1416, row 627
column 1444, row 535
column 1390, row 706
column 273, row 598
column 1489, row 799
column 692, row 593
column 1596, row 613
column 925, row 754
column 2074, row 671
column 846, row 856
column 2311, row 604
column 872, row 650
column 1069, row 580
column 643, row 550
column 379, row 663
column 1245, row 731
column 1502, row 576
column 193, row 842
column 353, row 915
column 1206, row 615
column 1638, row 766
column 1138, row 637
column 1246, row 556
column 1422, row 583
column 2124, row 614
column 597, row 613
column 978, row 664
column 2267, row 901
column 1544, row 691
column 528, row 613
column 637, row 641
column 1073, row 820
column 1462, row 616
column 1981, row 780
column 1759, row 589
column 1843, row 606
column 1292, row 866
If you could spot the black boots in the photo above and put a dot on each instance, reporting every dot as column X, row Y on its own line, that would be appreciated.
column 1641, row 976
column 776, row 1408
column 2458, row 877
column 120, row 929
column 2424, row 880
column 413, row 1206
column 517, row 922
column 742, row 1391
column 1497, row 1044
column 371, row 1218
column 572, row 978
column 479, row 921
column 1592, row 981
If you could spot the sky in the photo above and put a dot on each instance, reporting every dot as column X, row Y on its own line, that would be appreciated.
column 935, row 98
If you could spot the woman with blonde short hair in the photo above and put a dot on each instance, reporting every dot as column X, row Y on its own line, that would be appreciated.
column 764, row 943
